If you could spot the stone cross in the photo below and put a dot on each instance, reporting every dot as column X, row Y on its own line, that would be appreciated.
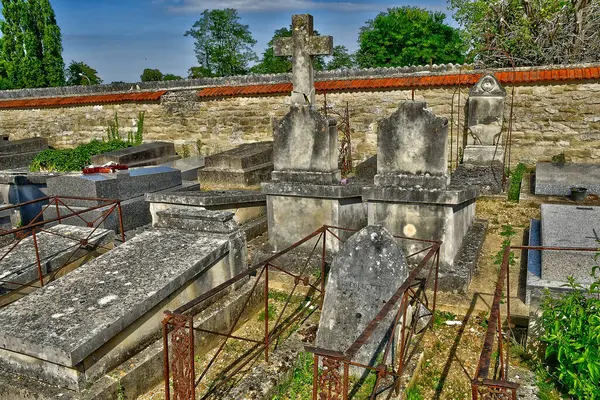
column 303, row 46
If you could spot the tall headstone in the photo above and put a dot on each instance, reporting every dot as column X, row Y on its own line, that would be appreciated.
column 411, row 195
column 367, row 271
column 305, row 191
column 485, row 119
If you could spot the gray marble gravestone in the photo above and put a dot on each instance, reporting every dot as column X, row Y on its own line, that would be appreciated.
column 411, row 196
column 128, row 186
column 305, row 191
column 485, row 118
column 557, row 179
column 365, row 273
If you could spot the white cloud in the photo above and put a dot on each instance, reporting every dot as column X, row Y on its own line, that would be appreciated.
column 185, row 6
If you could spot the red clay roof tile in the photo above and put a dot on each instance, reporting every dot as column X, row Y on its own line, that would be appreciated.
column 81, row 100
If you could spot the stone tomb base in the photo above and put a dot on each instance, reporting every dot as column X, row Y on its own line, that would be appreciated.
column 483, row 155
column 249, row 207
column 73, row 331
column 295, row 210
column 434, row 215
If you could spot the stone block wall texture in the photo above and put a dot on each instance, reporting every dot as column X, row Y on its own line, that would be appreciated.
column 549, row 118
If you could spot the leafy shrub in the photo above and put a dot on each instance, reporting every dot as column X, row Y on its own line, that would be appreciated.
column 559, row 158
column 515, row 183
column 54, row 160
column 571, row 324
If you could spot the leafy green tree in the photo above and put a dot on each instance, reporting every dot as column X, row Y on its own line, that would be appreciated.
column 151, row 75
column 172, row 77
column 537, row 32
column 199, row 72
column 31, row 45
column 406, row 36
column 340, row 59
column 79, row 73
column 272, row 64
column 222, row 44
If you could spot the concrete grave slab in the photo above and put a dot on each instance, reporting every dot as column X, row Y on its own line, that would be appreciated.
column 57, row 245
column 364, row 275
column 569, row 226
column 154, row 153
column 19, row 153
column 246, row 165
column 90, row 320
column 554, row 179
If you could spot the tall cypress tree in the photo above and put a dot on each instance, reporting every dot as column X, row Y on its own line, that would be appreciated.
column 31, row 45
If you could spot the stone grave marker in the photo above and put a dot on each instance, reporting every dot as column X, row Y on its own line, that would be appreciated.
column 19, row 153
column 303, row 46
column 305, row 192
column 154, row 153
column 364, row 275
column 411, row 194
column 246, row 165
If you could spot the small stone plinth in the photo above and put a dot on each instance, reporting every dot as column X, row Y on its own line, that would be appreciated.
column 245, row 165
column 74, row 330
column 364, row 274
column 295, row 210
column 483, row 155
column 557, row 179
column 569, row 226
column 249, row 207
column 154, row 153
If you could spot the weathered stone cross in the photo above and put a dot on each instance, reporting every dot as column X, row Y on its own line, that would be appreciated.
column 303, row 46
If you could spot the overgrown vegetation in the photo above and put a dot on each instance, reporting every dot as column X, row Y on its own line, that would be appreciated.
column 508, row 233
column 516, row 178
column 571, row 324
column 65, row 160
column 559, row 158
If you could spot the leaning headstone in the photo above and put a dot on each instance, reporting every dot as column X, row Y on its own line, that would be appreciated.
column 305, row 192
column 485, row 118
column 154, row 153
column 411, row 195
column 246, row 165
column 365, row 273
column 19, row 153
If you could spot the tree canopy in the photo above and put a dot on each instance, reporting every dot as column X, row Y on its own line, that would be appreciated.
column 151, row 75
column 31, row 47
column 406, row 36
column 199, row 72
column 222, row 44
column 172, row 77
column 340, row 59
column 272, row 64
column 530, row 32
column 79, row 73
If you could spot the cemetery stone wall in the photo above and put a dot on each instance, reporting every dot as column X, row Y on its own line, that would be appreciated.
column 550, row 117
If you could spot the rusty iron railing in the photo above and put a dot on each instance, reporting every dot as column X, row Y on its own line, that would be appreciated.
column 38, row 225
column 492, row 382
column 179, row 330
column 332, row 382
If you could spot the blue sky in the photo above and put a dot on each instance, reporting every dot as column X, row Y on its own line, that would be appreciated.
column 119, row 38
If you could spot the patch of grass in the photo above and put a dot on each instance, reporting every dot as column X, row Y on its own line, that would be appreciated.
column 271, row 312
column 441, row 317
column 300, row 385
column 414, row 393
column 514, row 191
